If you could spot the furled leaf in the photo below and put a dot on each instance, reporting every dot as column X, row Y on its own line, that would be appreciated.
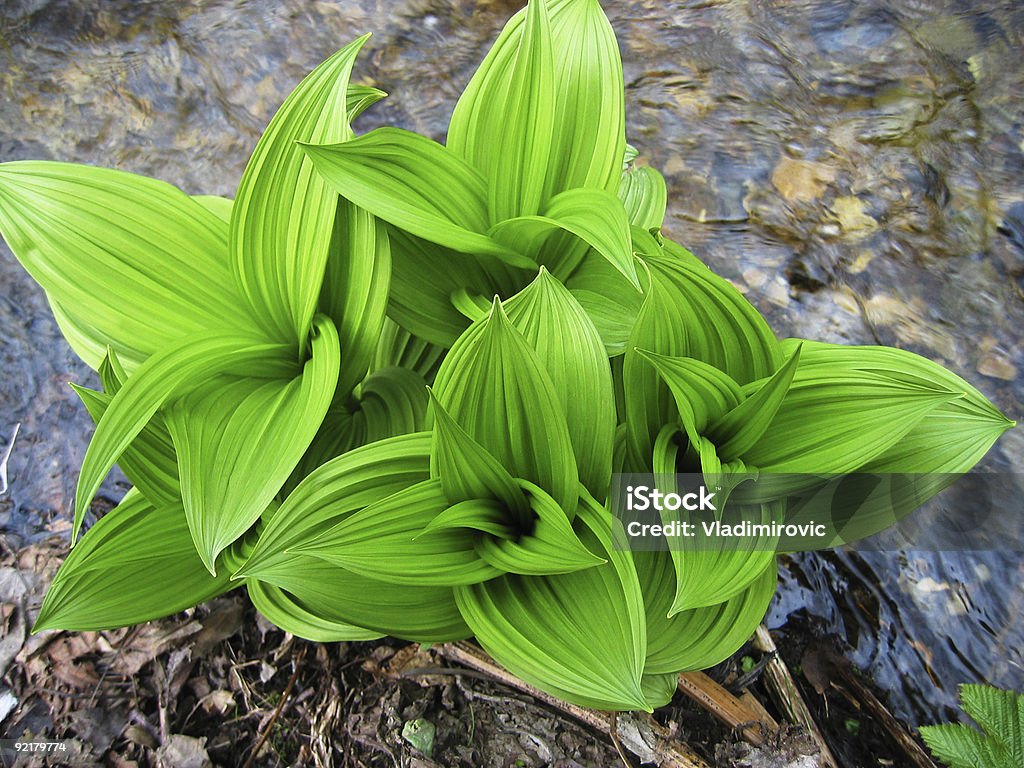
column 283, row 610
column 398, row 348
column 415, row 184
column 593, row 215
column 738, row 430
column 644, row 195
column 392, row 401
column 466, row 470
column 950, row 439
column 161, row 376
column 494, row 386
column 580, row 636
column 238, row 440
column 426, row 278
column 283, row 216
column 570, row 350
column 334, row 490
column 381, row 542
column 137, row 563
column 701, row 637
column 421, row 614
column 608, row 298
column 128, row 262
column 836, row 421
column 355, row 289
column 518, row 116
column 548, row 545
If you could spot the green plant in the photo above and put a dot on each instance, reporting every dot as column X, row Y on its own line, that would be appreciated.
column 999, row 744
column 386, row 388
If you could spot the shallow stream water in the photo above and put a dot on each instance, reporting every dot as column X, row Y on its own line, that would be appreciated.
column 854, row 167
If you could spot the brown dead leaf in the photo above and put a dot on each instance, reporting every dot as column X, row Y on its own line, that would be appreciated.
column 411, row 658
column 224, row 621
column 149, row 642
column 67, row 664
column 181, row 751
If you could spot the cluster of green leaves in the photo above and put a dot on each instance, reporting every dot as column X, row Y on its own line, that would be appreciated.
column 387, row 386
column 999, row 744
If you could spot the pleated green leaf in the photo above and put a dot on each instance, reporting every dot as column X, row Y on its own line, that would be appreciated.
column 687, row 312
column 593, row 215
column 588, row 98
column 334, row 490
column 381, row 541
column 354, row 294
column 950, row 439
column 466, row 470
column 286, row 612
column 721, row 327
column 484, row 515
column 283, row 216
column 421, row 614
column 237, row 441
column 127, row 261
column 493, row 384
column 570, row 350
column 580, row 636
column 718, row 569
column 415, row 184
column 702, row 637
column 161, row 376
column 398, row 348
column 644, row 195
column 149, row 461
column 218, row 206
column 137, row 563
column 838, row 421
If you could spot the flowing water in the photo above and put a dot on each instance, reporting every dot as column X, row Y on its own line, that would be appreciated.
column 855, row 168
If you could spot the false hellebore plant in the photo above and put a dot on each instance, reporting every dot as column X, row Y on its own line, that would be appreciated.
column 386, row 388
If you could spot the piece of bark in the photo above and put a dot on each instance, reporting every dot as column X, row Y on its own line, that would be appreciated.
column 726, row 707
column 781, row 683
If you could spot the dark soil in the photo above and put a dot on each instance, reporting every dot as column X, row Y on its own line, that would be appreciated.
column 219, row 686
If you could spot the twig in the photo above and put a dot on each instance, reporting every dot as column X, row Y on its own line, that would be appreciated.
column 5, row 457
column 277, row 710
column 726, row 707
column 861, row 696
column 616, row 741
column 782, row 684
column 648, row 740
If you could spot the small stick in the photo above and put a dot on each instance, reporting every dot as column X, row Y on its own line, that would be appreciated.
column 781, row 683
column 666, row 752
column 726, row 707
column 5, row 457
column 861, row 696
column 277, row 711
